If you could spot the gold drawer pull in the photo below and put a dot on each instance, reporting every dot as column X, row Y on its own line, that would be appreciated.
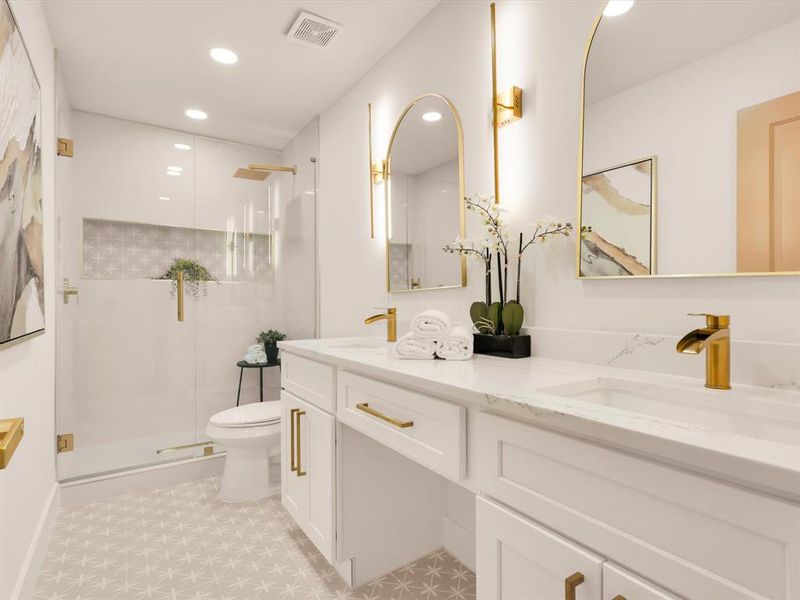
column 376, row 413
column 11, row 432
column 618, row 597
column 300, row 472
column 572, row 582
column 292, row 436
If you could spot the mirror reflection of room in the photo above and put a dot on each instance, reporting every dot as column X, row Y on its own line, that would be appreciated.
column 692, row 140
column 425, row 199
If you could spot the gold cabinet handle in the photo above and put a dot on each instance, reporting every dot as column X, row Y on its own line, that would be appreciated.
column 292, row 413
column 11, row 432
column 376, row 413
column 180, row 296
column 618, row 597
column 572, row 582
column 299, row 470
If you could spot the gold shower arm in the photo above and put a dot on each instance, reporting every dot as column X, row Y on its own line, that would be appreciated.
column 264, row 167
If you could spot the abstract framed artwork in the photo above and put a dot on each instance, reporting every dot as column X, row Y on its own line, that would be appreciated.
column 618, row 220
column 21, row 232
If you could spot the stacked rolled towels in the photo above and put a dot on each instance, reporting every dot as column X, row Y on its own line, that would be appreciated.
column 456, row 345
column 432, row 334
column 255, row 355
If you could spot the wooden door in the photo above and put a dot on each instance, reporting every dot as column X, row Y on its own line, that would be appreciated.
column 768, row 186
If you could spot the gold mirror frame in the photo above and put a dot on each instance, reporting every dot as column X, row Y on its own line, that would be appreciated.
column 582, row 117
column 462, row 207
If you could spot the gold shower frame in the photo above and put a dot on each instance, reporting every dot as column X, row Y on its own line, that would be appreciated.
column 462, row 206
column 581, row 122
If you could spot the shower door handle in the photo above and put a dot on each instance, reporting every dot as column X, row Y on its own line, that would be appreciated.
column 67, row 290
column 180, row 296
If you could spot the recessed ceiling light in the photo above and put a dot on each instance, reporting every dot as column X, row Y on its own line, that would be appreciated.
column 174, row 173
column 163, row 197
column 176, row 169
column 196, row 113
column 223, row 55
column 617, row 7
column 183, row 146
column 432, row 116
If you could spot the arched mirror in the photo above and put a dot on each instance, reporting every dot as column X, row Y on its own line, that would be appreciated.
column 425, row 197
column 691, row 140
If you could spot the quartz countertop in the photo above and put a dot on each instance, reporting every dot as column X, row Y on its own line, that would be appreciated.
column 520, row 389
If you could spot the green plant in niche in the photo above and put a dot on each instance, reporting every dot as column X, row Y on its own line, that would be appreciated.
column 193, row 275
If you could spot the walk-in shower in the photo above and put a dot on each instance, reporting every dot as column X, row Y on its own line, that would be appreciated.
column 133, row 377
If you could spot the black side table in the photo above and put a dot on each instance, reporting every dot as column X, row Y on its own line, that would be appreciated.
column 243, row 364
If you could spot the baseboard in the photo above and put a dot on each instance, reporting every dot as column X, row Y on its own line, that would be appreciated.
column 459, row 542
column 34, row 557
column 103, row 487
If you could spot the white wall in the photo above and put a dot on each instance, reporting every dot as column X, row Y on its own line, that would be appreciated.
column 687, row 117
column 540, row 48
column 27, row 368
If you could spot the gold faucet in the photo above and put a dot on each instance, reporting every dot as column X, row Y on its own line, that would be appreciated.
column 391, row 323
column 715, row 339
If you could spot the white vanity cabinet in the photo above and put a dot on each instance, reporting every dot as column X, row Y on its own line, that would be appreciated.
column 519, row 560
column 556, row 514
column 308, row 451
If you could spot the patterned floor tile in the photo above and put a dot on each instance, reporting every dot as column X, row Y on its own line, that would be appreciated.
column 181, row 543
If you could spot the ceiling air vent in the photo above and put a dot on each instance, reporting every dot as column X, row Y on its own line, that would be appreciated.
column 313, row 30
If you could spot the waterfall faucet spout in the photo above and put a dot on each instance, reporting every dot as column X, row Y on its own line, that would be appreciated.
column 715, row 339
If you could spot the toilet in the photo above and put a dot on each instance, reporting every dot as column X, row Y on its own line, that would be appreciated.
column 251, row 434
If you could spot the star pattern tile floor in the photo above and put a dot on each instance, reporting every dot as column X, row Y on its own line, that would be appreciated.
column 181, row 543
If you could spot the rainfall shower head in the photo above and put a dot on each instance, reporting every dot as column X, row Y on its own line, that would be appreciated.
column 251, row 174
column 259, row 172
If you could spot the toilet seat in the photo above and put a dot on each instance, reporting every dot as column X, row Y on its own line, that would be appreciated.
column 249, row 415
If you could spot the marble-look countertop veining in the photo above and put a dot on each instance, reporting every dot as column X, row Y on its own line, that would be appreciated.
column 749, row 435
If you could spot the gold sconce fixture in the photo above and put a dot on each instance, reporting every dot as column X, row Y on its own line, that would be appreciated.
column 506, row 107
column 377, row 174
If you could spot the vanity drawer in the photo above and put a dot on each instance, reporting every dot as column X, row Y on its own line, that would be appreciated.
column 309, row 380
column 427, row 430
column 690, row 534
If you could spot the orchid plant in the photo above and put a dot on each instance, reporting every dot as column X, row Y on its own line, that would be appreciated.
column 506, row 315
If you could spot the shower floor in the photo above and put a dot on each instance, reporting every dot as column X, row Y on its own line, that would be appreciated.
column 126, row 454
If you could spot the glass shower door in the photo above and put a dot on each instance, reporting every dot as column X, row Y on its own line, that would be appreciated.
column 126, row 369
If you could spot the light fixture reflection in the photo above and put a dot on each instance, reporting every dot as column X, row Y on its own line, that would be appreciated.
column 431, row 116
column 615, row 8
column 183, row 147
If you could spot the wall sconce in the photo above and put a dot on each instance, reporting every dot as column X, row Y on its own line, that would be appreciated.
column 378, row 172
column 506, row 107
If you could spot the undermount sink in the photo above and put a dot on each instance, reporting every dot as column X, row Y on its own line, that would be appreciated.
column 357, row 344
column 759, row 413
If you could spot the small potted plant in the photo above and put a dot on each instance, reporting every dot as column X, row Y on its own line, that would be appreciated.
column 498, row 324
column 270, row 341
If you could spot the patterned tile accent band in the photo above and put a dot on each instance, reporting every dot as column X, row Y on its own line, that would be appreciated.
column 122, row 250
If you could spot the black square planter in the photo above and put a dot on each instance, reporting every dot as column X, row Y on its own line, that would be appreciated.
column 504, row 346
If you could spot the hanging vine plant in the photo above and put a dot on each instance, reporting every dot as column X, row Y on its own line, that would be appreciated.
column 193, row 275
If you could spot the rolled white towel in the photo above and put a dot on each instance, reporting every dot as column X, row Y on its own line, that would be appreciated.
column 254, row 348
column 413, row 346
column 431, row 324
column 457, row 345
column 255, row 358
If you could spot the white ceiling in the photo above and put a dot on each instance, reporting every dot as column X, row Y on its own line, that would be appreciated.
column 656, row 37
column 148, row 61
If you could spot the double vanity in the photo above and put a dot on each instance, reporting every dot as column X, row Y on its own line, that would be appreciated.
column 550, row 479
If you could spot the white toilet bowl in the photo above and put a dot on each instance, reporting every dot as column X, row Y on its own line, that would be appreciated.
column 251, row 434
